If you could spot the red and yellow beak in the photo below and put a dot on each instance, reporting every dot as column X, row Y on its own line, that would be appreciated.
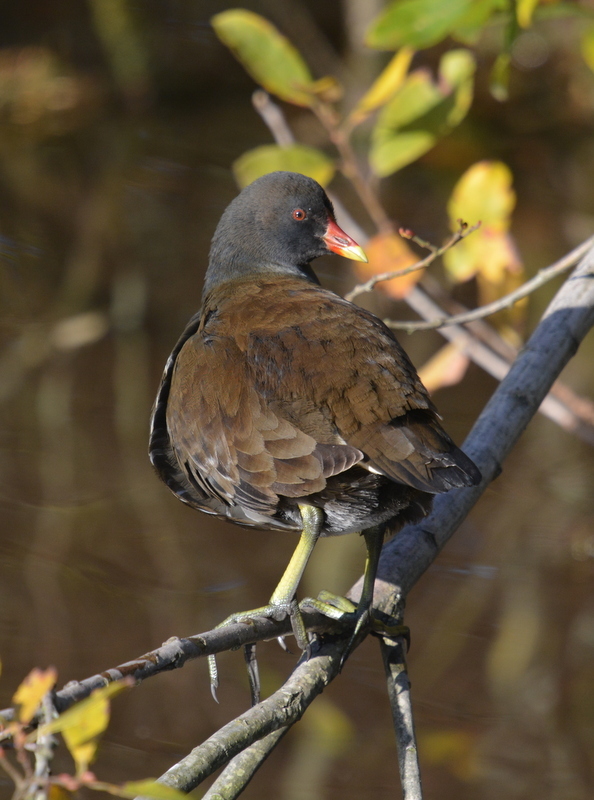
column 338, row 242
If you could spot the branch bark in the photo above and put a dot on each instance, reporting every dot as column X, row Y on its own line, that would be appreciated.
column 405, row 558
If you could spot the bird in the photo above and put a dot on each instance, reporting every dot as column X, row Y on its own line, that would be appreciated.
column 285, row 407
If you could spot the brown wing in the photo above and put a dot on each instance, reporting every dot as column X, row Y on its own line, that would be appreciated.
column 354, row 372
column 285, row 385
column 235, row 445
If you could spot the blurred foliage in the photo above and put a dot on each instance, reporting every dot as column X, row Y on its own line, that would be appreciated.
column 81, row 726
column 114, row 169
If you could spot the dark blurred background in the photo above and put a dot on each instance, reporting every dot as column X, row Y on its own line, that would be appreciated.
column 118, row 125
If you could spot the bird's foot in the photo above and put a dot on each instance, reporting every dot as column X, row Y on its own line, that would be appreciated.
column 341, row 608
column 276, row 611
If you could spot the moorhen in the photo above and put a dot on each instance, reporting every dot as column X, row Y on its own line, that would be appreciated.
column 285, row 407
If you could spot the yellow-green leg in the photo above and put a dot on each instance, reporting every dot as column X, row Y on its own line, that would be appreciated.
column 337, row 607
column 282, row 601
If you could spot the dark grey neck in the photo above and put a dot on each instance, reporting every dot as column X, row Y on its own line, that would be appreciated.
column 227, row 266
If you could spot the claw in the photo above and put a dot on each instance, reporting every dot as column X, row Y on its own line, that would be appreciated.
column 249, row 651
column 213, row 674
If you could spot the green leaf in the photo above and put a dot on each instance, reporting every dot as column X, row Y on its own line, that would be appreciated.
column 266, row 54
column 478, row 17
column 272, row 157
column 499, row 79
column 422, row 112
column 417, row 23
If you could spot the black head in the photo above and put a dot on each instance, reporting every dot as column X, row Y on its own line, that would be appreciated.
column 278, row 224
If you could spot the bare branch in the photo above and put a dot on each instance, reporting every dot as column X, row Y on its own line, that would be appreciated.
column 543, row 276
column 408, row 555
column 241, row 769
column 462, row 232
column 404, row 728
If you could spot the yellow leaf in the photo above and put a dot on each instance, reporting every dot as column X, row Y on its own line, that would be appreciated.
column 524, row 12
column 83, row 723
column 587, row 46
column 266, row 54
column 446, row 368
column 384, row 86
column 272, row 157
column 32, row 691
column 484, row 193
column 388, row 253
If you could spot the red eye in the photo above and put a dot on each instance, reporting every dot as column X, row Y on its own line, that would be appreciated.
column 299, row 214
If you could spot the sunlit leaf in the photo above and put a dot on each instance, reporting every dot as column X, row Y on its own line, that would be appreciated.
column 417, row 23
column 295, row 158
column 473, row 23
column 32, row 691
column 388, row 253
column 485, row 193
column 385, row 85
column 587, row 45
column 446, row 368
column 524, row 11
column 145, row 788
column 421, row 112
column 83, row 723
column 266, row 54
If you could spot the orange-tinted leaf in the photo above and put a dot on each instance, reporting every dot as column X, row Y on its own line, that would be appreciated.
column 387, row 253
column 32, row 691
column 446, row 368
column 272, row 157
column 266, row 54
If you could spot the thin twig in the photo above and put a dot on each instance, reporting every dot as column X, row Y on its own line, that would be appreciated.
column 575, row 417
column 350, row 167
column 402, row 716
column 462, row 232
column 542, row 276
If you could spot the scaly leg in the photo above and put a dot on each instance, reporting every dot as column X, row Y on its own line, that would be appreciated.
column 337, row 607
column 282, row 601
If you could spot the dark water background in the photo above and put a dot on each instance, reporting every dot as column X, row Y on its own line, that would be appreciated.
column 113, row 174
